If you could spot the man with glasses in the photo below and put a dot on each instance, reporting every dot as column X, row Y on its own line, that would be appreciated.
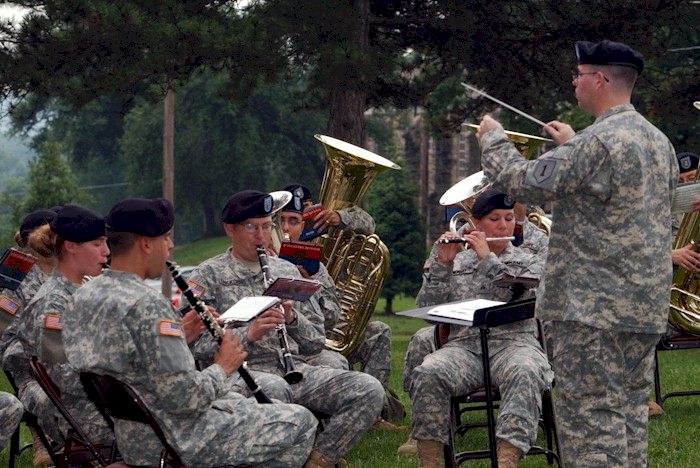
column 608, row 269
column 351, row 400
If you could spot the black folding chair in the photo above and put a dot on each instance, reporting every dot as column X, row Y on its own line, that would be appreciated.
column 487, row 400
column 675, row 342
column 78, row 448
column 117, row 400
column 31, row 421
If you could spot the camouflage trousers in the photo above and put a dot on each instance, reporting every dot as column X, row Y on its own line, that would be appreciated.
column 374, row 353
column 352, row 400
column 603, row 381
column 37, row 402
column 328, row 358
column 519, row 369
column 273, row 385
column 11, row 411
column 422, row 343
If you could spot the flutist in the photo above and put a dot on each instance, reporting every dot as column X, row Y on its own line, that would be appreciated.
column 352, row 400
column 121, row 327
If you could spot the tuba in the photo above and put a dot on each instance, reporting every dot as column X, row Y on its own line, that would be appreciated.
column 357, row 263
column 685, row 289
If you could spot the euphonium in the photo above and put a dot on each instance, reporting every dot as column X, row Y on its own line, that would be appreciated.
column 685, row 289
column 357, row 263
column 527, row 145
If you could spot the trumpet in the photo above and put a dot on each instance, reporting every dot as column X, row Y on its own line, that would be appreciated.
column 291, row 375
column 215, row 329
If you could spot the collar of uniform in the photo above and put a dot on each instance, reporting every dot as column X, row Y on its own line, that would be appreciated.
column 63, row 282
column 614, row 110
column 241, row 269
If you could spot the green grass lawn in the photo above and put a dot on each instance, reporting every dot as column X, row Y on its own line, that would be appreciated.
column 672, row 438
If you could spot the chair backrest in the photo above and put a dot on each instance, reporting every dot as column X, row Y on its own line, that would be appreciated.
column 117, row 400
column 52, row 391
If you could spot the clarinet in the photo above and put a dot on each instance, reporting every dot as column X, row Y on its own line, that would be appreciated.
column 215, row 329
column 291, row 375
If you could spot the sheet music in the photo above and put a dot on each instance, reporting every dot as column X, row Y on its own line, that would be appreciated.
column 684, row 196
column 462, row 310
column 248, row 308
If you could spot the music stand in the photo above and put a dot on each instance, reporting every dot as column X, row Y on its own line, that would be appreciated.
column 485, row 319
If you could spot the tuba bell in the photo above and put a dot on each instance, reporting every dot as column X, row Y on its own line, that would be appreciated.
column 685, row 289
column 357, row 263
column 527, row 145
column 463, row 193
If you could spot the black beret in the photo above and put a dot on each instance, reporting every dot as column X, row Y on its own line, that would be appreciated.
column 150, row 217
column 77, row 224
column 33, row 220
column 687, row 162
column 609, row 53
column 299, row 194
column 299, row 190
column 491, row 199
column 246, row 204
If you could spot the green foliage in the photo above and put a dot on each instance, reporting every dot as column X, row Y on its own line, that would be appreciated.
column 392, row 202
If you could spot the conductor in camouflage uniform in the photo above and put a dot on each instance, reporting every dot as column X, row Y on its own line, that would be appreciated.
column 608, row 270
column 352, row 400
column 519, row 366
column 121, row 327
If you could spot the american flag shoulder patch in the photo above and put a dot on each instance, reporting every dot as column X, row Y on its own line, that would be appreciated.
column 53, row 322
column 196, row 288
column 169, row 328
column 8, row 305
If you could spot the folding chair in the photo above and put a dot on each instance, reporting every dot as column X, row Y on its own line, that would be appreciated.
column 31, row 421
column 117, row 400
column 672, row 343
column 78, row 448
column 488, row 401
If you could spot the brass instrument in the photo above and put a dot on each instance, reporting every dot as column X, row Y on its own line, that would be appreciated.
column 697, row 104
column 463, row 193
column 527, row 145
column 541, row 222
column 357, row 263
column 279, row 201
column 685, row 289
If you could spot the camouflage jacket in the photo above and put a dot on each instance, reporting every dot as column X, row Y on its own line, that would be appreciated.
column 609, row 260
column 12, row 304
column 121, row 327
column 326, row 297
column 225, row 279
column 469, row 278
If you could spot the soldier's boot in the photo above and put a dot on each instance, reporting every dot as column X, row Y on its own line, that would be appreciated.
column 410, row 447
column 655, row 409
column 508, row 454
column 41, row 457
column 318, row 460
column 384, row 425
column 431, row 453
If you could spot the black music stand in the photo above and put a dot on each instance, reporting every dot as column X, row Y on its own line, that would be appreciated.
column 485, row 319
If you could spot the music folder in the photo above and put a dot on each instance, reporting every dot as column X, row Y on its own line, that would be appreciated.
column 14, row 266
column 247, row 308
column 303, row 254
column 297, row 289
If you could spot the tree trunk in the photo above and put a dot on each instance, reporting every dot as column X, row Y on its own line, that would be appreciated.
column 347, row 101
column 210, row 215
column 389, row 309
column 168, row 169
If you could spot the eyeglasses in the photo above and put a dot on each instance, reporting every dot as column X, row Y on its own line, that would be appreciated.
column 252, row 228
column 292, row 222
column 575, row 75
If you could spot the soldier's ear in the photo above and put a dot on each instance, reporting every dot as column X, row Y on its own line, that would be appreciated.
column 145, row 245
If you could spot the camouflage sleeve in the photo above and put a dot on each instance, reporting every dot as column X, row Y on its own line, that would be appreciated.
column 437, row 285
column 327, row 298
column 553, row 175
column 535, row 241
column 357, row 220
column 311, row 337
column 165, row 357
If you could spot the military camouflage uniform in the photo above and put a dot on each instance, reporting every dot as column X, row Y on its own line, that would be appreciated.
column 19, row 297
column 357, row 220
column 41, row 336
column 17, row 353
column 607, row 278
column 518, row 365
column 11, row 411
column 353, row 400
column 121, row 327
column 534, row 240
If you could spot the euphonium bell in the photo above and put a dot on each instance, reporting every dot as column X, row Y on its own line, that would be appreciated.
column 527, row 145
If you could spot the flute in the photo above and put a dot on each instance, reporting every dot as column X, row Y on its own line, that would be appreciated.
column 460, row 240
column 215, row 329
